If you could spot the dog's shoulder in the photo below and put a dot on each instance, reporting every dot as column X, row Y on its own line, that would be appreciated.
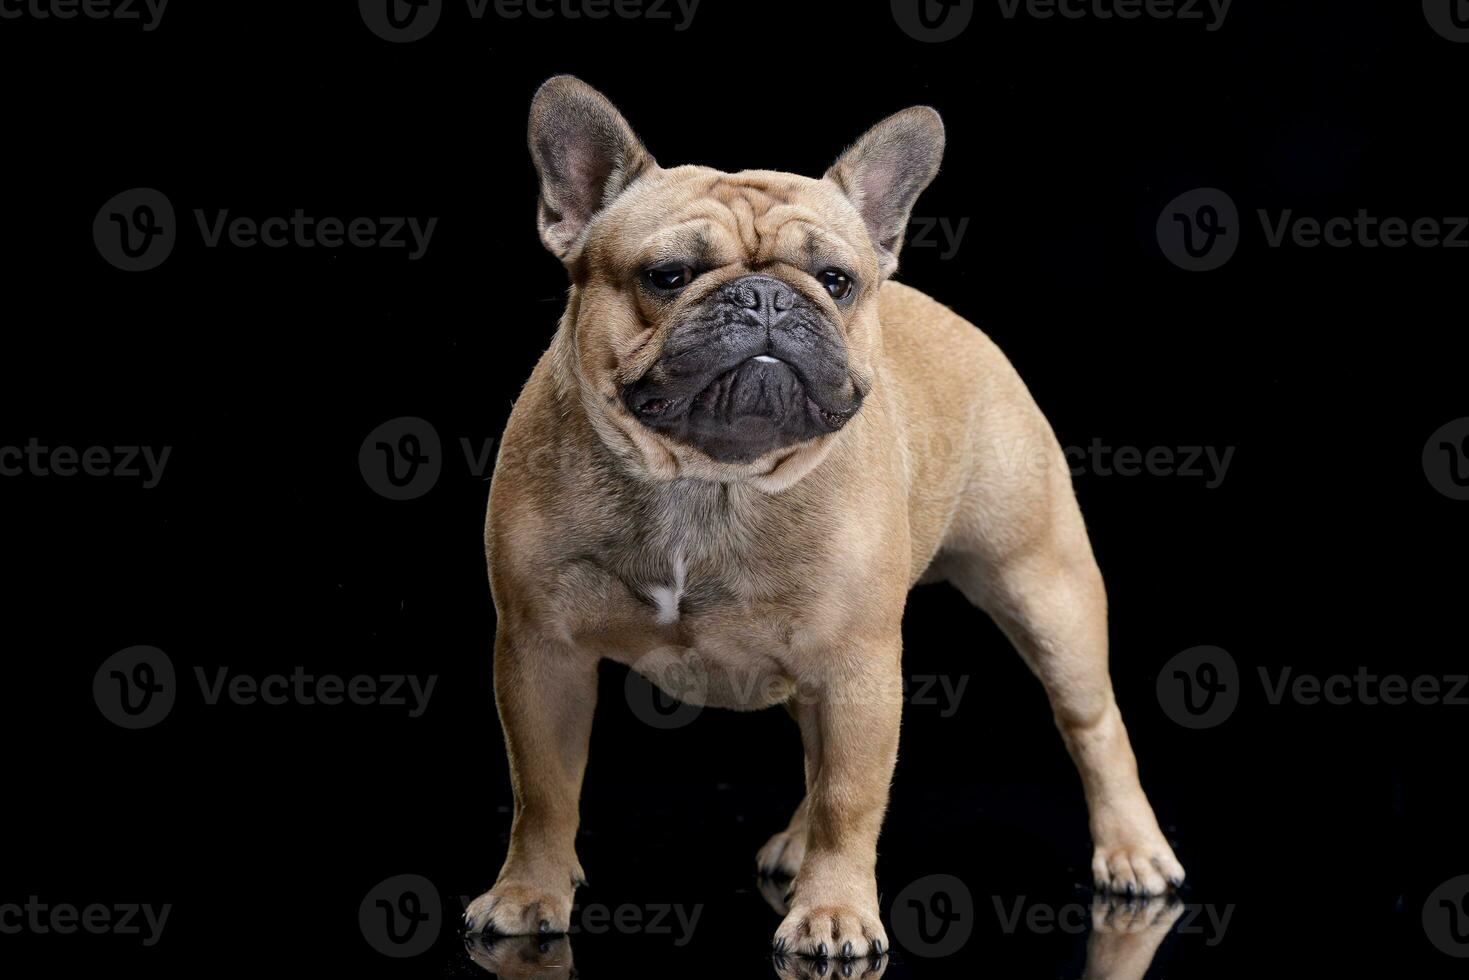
column 922, row 335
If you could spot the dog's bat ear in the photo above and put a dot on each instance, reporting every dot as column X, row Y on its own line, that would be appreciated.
column 884, row 172
column 585, row 155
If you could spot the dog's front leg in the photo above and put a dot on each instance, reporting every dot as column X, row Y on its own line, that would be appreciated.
column 849, row 715
column 546, row 694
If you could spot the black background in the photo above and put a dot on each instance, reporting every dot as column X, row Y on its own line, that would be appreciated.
column 1325, row 547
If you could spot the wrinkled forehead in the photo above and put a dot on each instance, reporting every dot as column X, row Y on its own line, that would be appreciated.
column 710, row 219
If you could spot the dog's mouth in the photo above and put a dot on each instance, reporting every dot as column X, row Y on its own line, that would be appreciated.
column 763, row 387
column 760, row 404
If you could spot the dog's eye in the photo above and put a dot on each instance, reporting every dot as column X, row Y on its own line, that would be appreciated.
column 669, row 278
column 837, row 282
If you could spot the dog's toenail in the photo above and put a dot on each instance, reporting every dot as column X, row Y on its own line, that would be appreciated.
column 545, row 926
column 847, row 950
column 821, row 951
column 877, row 947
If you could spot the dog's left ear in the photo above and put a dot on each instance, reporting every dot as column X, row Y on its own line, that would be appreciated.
column 585, row 155
column 885, row 171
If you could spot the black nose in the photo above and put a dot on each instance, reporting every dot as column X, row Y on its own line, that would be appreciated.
column 764, row 295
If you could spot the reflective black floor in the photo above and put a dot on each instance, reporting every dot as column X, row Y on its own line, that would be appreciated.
column 992, row 883
column 1102, row 938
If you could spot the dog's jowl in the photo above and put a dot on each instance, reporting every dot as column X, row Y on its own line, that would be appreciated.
column 743, row 447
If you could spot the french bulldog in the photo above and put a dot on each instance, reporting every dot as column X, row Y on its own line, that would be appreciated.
column 744, row 446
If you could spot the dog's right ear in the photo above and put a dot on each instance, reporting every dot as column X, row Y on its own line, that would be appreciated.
column 585, row 154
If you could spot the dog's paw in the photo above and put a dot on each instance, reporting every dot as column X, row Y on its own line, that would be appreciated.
column 1140, row 869
column 782, row 855
column 842, row 932
column 511, row 909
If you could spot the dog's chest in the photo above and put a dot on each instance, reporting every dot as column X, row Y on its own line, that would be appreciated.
column 694, row 577
column 683, row 570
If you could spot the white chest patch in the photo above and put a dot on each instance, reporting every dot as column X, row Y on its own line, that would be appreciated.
column 667, row 597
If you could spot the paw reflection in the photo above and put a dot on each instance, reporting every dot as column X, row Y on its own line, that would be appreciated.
column 1126, row 934
column 789, row 967
column 1123, row 940
column 522, row 957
